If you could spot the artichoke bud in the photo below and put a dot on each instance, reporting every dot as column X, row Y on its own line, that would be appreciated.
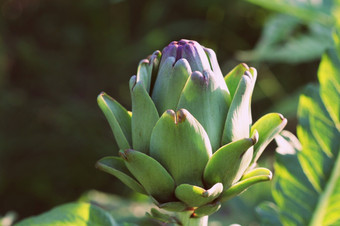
column 189, row 142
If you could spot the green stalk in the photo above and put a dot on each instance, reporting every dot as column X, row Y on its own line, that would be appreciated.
column 186, row 219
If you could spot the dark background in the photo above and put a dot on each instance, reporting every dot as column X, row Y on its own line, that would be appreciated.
column 56, row 56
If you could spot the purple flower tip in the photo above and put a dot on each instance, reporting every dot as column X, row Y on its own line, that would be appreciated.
column 179, row 47
column 190, row 50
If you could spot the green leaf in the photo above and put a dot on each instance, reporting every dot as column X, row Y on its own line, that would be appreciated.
column 150, row 173
column 116, row 167
column 287, row 39
column 80, row 214
column 144, row 116
column 181, row 145
column 118, row 118
column 294, row 194
column 320, row 158
column 268, row 213
column 307, row 181
column 318, row 136
column 329, row 77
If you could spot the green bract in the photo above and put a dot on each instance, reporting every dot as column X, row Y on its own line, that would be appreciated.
column 189, row 142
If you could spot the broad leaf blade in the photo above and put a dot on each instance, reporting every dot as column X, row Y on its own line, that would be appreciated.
column 329, row 77
column 318, row 136
column 293, row 193
column 306, row 186
column 80, row 214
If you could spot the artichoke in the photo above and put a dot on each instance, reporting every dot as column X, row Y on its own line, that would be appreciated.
column 189, row 142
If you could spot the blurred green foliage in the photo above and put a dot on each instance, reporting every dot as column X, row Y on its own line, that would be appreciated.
column 56, row 56
column 301, row 34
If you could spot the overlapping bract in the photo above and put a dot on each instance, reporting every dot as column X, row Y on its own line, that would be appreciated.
column 189, row 142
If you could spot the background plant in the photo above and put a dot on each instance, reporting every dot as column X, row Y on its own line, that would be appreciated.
column 306, row 188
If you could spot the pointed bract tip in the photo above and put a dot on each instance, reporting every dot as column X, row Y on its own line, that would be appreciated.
column 180, row 116
column 247, row 73
column 132, row 82
column 200, row 78
column 171, row 113
column 182, row 63
column 193, row 215
column 97, row 165
column 270, row 176
column 205, row 193
column 196, row 75
column 123, row 154
column 254, row 71
column 144, row 61
column 255, row 137
column 155, row 55
column 281, row 116
column 245, row 66
column 102, row 96
column 284, row 120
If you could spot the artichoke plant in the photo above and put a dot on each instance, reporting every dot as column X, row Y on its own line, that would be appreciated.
column 189, row 142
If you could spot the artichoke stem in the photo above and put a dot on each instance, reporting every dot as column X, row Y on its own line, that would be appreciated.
column 186, row 219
